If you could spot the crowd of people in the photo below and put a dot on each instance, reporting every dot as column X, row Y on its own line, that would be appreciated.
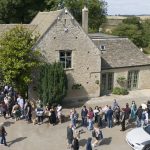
column 13, row 105
column 108, row 116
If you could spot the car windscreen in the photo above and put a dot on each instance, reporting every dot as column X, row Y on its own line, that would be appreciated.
column 147, row 129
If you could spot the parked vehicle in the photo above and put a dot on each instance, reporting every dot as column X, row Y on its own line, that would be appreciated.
column 139, row 138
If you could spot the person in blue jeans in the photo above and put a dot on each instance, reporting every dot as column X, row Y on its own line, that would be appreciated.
column 88, row 144
column 3, row 134
column 109, row 117
column 90, row 116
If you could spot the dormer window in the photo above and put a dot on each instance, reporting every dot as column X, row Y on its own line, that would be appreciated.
column 102, row 48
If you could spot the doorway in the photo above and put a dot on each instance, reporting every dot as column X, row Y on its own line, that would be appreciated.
column 107, row 80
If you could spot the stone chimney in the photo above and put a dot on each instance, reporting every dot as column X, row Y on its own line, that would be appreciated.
column 85, row 12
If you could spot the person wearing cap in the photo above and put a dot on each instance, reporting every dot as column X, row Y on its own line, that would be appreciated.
column 3, row 133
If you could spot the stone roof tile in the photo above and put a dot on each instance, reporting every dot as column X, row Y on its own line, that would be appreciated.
column 44, row 20
column 120, row 52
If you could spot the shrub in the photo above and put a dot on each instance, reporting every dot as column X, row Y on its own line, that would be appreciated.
column 120, row 91
column 52, row 83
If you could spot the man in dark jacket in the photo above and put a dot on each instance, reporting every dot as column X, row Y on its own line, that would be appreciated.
column 75, row 145
column 69, row 135
column 139, row 116
column 84, row 113
column 109, row 117
column 122, row 119
column 127, row 112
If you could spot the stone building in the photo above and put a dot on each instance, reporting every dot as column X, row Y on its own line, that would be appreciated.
column 121, row 58
column 93, row 62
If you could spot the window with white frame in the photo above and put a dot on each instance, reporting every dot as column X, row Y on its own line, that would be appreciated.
column 65, row 57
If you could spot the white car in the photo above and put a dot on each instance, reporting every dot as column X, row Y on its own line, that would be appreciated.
column 139, row 138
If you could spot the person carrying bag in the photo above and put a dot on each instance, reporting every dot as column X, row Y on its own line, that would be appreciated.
column 97, row 134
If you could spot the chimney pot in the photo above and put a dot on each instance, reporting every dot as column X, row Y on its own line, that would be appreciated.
column 85, row 12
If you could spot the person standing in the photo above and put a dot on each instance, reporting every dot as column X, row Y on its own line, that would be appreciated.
column 84, row 113
column 105, row 109
column 96, row 111
column 133, row 111
column 115, row 104
column 75, row 144
column 20, row 101
column 3, row 134
column 109, row 117
column 139, row 116
column 10, row 106
column 73, row 117
column 59, row 113
column 100, row 117
column 144, row 120
column 88, row 144
column 127, row 113
column 90, row 116
column 146, row 117
column 69, row 136
column 39, row 114
column 4, row 109
column 28, row 111
column 52, row 116
column 122, row 119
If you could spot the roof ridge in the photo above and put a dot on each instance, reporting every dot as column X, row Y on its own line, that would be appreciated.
column 42, row 12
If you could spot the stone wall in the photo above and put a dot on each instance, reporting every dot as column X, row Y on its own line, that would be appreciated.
column 66, row 34
column 143, row 78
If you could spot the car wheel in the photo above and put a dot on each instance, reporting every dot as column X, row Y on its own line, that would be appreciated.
column 147, row 147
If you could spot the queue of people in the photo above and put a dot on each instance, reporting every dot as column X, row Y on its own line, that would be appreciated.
column 14, row 106
column 108, row 116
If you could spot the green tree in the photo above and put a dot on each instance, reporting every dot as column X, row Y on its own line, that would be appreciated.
column 52, row 83
column 97, row 10
column 19, row 11
column 132, row 28
column 23, row 11
column 17, row 59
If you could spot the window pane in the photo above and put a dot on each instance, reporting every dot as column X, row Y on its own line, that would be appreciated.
column 68, row 62
column 103, row 82
column 68, row 53
column 132, row 79
column 110, row 81
column 62, row 61
column 65, row 58
column 62, row 54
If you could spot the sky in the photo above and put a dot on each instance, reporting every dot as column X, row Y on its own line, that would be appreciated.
column 128, row 7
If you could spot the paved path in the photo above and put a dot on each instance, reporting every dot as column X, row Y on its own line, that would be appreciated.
column 23, row 136
column 139, row 96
